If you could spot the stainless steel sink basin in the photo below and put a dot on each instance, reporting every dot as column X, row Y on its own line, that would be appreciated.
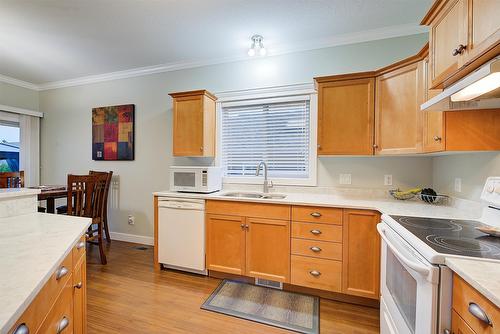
column 253, row 195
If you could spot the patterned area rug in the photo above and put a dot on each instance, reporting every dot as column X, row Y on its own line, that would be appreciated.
column 288, row 310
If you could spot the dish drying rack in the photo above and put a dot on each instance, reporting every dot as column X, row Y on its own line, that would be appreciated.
column 430, row 199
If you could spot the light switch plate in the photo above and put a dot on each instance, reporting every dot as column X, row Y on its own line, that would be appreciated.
column 345, row 178
column 388, row 180
column 458, row 185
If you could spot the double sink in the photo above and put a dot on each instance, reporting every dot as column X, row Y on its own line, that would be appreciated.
column 240, row 194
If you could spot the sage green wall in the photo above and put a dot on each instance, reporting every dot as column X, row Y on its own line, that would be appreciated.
column 19, row 97
column 66, row 127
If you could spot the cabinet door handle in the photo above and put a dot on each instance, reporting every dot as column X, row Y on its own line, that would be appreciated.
column 80, row 245
column 242, row 225
column 315, row 273
column 316, row 232
column 479, row 313
column 78, row 285
column 61, row 272
column 246, row 226
column 22, row 329
column 63, row 323
column 315, row 249
column 375, row 146
column 436, row 138
column 316, row 214
column 201, row 148
column 459, row 50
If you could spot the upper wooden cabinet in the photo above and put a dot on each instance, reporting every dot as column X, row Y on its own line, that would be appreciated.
column 194, row 124
column 346, row 114
column 398, row 118
column 461, row 32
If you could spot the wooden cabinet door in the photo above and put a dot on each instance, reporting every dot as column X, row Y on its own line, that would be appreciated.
column 188, row 126
column 361, row 254
column 397, row 110
column 484, row 27
column 458, row 325
column 448, row 32
column 346, row 117
column 80, row 297
column 226, row 243
column 433, row 136
column 268, row 249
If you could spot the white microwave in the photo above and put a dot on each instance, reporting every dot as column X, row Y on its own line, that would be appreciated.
column 195, row 179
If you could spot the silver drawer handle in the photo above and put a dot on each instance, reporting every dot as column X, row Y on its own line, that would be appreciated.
column 80, row 245
column 62, row 324
column 61, row 272
column 316, row 214
column 316, row 232
column 78, row 285
column 315, row 273
column 22, row 329
column 315, row 249
column 478, row 312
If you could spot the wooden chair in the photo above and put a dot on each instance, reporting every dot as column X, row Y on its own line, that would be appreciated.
column 86, row 199
column 106, row 194
column 14, row 180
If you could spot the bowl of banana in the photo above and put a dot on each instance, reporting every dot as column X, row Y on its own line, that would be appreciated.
column 427, row 195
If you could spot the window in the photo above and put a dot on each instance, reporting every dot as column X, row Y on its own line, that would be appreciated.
column 278, row 130
column 9, row 146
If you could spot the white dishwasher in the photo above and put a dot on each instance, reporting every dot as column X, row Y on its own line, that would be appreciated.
column 181, row 234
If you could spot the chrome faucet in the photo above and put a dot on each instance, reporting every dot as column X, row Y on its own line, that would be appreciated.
column 267, row 183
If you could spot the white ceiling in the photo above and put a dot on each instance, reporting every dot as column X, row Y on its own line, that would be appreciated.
column 45, row 41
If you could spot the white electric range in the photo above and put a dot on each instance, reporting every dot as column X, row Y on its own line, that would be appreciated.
column 416, row 286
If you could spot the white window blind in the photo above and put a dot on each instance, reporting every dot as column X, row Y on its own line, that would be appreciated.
column 276, row 131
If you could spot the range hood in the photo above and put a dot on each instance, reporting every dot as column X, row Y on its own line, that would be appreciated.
column 478, row 90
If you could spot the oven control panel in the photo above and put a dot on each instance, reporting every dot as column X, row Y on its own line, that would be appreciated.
column 491, row 191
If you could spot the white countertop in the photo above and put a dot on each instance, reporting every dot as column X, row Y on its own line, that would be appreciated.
column 31, row 247
column 17, row 192
column 484, row 276
column 477, row 273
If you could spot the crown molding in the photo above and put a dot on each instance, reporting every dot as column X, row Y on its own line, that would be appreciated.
column 344, row 39
column 17, row 82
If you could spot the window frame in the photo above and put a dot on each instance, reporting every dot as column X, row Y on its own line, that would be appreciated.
column 281, row 93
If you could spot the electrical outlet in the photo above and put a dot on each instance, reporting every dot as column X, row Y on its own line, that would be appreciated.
column 388, row 180
column 131, row 220
column 345, row 179
column 458, row 185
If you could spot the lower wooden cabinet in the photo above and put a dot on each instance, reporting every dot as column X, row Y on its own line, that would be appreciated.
column 255, row 247
column 226, row 243
column 317, row 273
column 60, row 306
column 459, row 326
column 361, row 254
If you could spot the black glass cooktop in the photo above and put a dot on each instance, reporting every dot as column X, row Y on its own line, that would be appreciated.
column 456, row 237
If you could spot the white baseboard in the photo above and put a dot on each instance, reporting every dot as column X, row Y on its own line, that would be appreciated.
column 138, row 239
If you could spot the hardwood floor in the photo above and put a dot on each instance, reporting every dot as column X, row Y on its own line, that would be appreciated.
column 128, row 296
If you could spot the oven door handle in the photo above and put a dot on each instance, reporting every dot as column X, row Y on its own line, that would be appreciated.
column 413, row 265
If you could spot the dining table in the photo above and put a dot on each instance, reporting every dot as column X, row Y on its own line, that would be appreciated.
column 50, row 194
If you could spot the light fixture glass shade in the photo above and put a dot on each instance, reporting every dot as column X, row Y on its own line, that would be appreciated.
column 251, row 52
column 262, row 51
column 478, row 88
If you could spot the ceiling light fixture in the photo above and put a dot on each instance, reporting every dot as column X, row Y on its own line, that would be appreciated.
column 257, row 47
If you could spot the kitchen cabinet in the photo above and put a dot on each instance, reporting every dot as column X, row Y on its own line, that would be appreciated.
column 194, row 124
column 463, row 35
column 249, row 239
column 465, row 297
column 61, row 302
column 226, row 243
column 361, row 253
column 346, row 114
column 398, row 119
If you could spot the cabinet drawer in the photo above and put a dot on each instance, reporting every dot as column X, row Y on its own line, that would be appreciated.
column 60, row 318
column 316, row 273
column 249, row 209
column 318, row 249
column 317, row 214
column 40, row 306
column 78, row 250
column 463, row 296
column 320, row 232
